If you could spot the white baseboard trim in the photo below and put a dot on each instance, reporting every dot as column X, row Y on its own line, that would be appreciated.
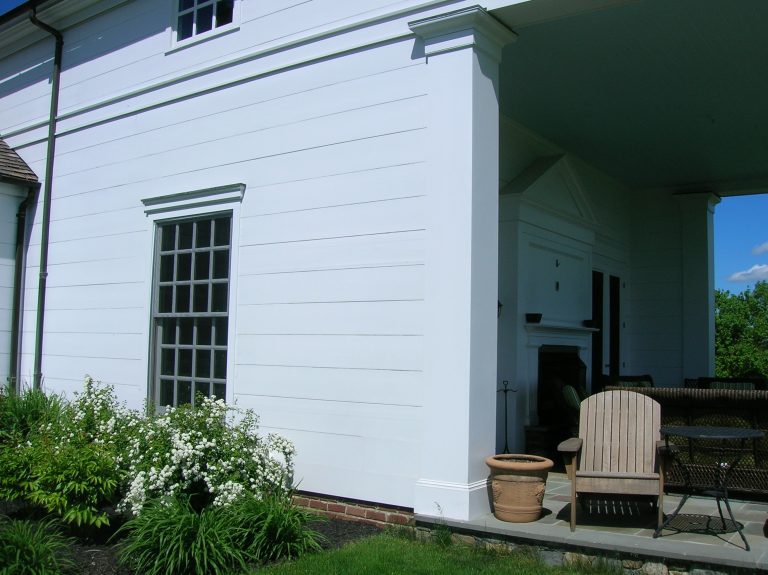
column 448, row 500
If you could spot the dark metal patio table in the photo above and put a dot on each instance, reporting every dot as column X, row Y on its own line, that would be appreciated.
column 727, row 444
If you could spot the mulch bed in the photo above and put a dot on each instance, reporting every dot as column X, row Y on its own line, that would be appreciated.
column 101, row 559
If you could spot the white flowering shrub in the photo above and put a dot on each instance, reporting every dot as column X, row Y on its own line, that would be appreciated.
column 211, row 452
column 74, row 458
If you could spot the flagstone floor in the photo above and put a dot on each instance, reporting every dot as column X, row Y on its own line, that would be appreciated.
column 626, row 528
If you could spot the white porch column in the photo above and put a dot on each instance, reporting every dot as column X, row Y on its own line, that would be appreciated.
column 698, row 283
column 463, row 50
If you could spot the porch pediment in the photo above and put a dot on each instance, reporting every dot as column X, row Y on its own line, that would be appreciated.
column 551, row 183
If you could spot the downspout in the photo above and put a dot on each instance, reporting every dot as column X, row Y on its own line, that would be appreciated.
column 18, row 276
column 38, row 374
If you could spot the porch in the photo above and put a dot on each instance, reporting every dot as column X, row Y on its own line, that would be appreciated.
column 625, row 531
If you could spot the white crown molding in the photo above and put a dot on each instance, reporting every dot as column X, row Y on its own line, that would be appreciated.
column 465, row 28
column 232, row 193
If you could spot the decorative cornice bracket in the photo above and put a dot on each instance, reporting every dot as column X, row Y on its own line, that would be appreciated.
column 471, row 27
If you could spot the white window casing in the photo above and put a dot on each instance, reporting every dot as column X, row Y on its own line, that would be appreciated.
column 194, row 271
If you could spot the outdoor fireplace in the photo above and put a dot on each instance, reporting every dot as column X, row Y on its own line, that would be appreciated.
column 559, row 365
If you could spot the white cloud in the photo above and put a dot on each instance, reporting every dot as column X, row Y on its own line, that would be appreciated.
column 761, row 249
column 755, row 273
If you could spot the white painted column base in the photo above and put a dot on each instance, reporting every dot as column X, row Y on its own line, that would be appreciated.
column 445, row 500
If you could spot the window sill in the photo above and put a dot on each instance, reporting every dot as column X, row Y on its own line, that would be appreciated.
column 178, row 46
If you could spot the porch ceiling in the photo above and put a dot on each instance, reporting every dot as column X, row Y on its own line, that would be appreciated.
column 656, row 93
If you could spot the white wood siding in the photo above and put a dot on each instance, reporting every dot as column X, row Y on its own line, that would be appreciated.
column 328, row 137
column 10, row 198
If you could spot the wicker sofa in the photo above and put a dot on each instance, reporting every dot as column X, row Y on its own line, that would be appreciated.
column 716, row 407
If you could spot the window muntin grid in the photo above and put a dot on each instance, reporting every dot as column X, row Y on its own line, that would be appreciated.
column 191, row 309
column 196, row 17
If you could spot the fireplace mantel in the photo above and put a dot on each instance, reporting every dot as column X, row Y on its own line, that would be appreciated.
column 552, row 327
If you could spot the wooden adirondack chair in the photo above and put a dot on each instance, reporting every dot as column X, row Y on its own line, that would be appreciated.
column 618, row 450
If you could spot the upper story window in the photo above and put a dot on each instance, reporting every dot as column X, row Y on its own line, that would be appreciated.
column 195, row 17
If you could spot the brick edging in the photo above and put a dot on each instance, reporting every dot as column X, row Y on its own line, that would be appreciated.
column 379, row 515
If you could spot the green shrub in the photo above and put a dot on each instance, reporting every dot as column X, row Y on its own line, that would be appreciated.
column 25, row 413
column 273, row 527
column 169, row 536
column 33, row 548
column 64, row 456
column 75, row 482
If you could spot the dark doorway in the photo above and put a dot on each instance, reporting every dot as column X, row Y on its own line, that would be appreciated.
column 605, row 366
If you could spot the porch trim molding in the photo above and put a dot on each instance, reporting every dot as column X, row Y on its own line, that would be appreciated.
column 446, row 499
column 471, row 27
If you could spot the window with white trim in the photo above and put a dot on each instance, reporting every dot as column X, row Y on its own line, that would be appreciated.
column 191, row 308
column 196, row 17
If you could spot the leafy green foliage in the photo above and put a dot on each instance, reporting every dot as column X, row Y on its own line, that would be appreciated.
column 26, row 412
column 33, row 548
column 273, row 527
column 60, row 455
column 74, row 482
column 169, row 536
column 741, row 332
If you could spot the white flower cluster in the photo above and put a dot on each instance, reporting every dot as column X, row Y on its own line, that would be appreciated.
column 213, row 450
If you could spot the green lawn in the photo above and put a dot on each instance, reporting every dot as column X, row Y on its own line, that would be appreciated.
column 389, row 553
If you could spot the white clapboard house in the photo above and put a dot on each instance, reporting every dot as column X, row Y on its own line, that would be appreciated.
column 339, row 212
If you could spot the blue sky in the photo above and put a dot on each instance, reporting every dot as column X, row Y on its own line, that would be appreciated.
column 6, row 5
column 741, row 242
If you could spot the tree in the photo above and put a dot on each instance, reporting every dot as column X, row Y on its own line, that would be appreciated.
column 741, row 332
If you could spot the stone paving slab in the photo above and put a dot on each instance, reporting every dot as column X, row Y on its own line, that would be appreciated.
column 627, row 528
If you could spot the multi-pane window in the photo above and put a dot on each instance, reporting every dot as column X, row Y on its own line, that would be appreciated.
column 191, row 309
column 199, row 16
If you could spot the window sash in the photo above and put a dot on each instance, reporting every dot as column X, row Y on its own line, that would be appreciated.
column 193, row 358
column 197, row 17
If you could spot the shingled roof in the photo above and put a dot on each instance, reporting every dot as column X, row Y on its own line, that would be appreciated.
column 13, row 167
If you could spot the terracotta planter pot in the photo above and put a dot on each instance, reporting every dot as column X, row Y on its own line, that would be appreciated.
column 518, row 482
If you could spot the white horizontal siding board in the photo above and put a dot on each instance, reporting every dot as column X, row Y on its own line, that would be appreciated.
column 366, row 153
column 128, row 393
column 173, row 85
column 24, row 85
column 364, row 250
column 362, row 284
column 6, row 300
column 320, row 477
column 237, row 110
column 337, row 189
column 398, row 353
column 349, row 386
column 6, row 285
column 120, row 345
column 126, row 206
column 376, row 217
column 97, row 248
column 347, row 318
column 291, row 16
column 104, row 296
column 93, row 226
column 74, row 368
column 377, row 422
column 98, row 52
column 96, row 320
column 102, row 272
column 285, row 140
